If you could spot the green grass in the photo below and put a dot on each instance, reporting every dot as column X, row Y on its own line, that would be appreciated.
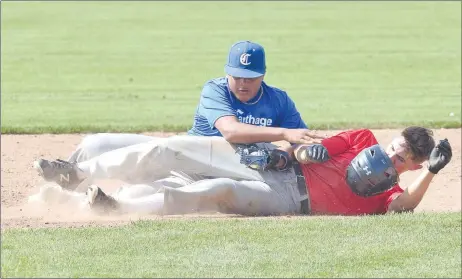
column 70, row 67
column 138, row 66
column 420, row 245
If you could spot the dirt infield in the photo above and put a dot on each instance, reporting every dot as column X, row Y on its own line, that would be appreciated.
column 19, row 180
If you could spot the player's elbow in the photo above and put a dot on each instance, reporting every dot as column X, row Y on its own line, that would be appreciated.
column 400, row 210
column 229, row 129
column 231, row 136
column 401, row 205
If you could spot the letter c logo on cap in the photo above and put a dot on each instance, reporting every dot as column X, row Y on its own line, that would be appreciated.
column 245, row 59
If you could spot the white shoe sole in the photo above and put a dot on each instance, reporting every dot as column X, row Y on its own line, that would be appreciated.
column 38, row 168
column 92, row 192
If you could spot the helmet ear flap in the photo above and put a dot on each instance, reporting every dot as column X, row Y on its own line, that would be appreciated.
column 389, row 172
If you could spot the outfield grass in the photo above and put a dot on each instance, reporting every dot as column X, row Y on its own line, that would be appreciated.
column 137, row 66
column 397, row 246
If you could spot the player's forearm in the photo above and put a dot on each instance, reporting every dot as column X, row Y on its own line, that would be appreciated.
column 413, row 194
column 246, row 133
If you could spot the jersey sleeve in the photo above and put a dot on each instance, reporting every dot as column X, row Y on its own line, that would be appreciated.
column 336, row 144
column 347, row 140
column 292, row 118
column 390, row 196
column 214, row 104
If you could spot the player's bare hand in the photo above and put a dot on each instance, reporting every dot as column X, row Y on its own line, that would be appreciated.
column 304, row 136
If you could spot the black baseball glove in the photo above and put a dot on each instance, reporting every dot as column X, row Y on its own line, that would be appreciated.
column 275, row 157
column 440, row 156
column 317, row 153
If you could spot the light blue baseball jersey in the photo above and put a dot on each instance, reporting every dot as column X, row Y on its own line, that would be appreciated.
column 273, row 109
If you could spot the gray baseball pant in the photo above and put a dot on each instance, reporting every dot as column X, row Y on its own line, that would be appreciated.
column 249, row 191
column 97, row 144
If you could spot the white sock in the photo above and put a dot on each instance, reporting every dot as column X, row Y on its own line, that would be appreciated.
column 152, row 204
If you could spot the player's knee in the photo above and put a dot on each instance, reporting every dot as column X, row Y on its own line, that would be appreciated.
column 226, row 185
column 225, row 196
column 94, row 145
column 186, row 142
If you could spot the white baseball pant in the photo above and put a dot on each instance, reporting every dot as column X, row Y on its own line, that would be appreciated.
column 247, row 191
column 97, row 144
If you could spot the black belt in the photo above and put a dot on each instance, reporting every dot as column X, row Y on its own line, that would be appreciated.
column 302, row 188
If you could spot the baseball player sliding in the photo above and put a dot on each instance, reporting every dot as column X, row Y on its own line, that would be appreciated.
column 347, row 174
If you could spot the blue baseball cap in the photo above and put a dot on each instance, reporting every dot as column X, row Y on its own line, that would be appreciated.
column 246, row 60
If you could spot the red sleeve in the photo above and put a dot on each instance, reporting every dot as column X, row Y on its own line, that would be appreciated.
column 336, row 144
column 344, row 141
column 392, row 194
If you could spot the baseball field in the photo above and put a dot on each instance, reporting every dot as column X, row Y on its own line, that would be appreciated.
column 69, row 69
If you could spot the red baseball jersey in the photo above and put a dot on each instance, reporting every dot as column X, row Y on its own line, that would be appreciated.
column 329, row 192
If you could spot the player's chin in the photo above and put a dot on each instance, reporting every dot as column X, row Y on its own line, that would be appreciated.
column 244, row 95
column 399, row 169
